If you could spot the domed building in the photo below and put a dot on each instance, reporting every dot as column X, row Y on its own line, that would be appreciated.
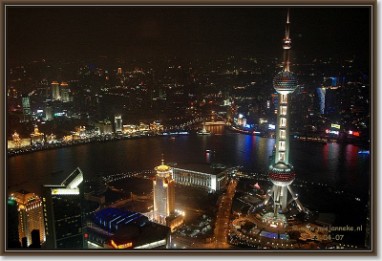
column 164, row 193
column 164, row 197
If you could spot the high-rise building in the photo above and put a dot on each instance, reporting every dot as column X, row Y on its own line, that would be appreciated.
column 63, row 213
column 118, row 123
column 12, row 224
column 64, row 90
column 26, row 107
column 55, row 91
column 281, row 171
column 164, row 193
column 30, row 215
column 48, row 112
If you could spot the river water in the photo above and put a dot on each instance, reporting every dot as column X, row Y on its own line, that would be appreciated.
column 338, row 165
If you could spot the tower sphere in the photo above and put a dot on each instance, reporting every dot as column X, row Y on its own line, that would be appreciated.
column 285, row 82
column 282, row 174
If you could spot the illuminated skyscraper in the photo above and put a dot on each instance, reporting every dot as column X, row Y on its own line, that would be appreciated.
column 63, row 215
column 55, row 91
column 48, row 112
column 164, row 193
column 64, row 90
column 281, row 172
column 118, row 123
column 26, row 107
column 30, row 215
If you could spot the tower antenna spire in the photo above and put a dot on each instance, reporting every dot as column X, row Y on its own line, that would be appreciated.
column 288, row 16
column 162, row 161
column 287, row 43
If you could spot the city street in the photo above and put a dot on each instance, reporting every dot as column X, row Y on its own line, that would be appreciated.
column 223, row 216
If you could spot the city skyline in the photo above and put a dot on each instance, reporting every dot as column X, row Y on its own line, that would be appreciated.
column 257, row 110
column 145, row 32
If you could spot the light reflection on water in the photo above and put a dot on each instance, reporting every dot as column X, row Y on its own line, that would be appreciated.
column 333, row 163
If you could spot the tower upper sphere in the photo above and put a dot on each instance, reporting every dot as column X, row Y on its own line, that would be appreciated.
column 285, row 82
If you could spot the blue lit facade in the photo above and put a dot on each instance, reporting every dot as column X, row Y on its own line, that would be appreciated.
column 113, row 228
column 111, row 219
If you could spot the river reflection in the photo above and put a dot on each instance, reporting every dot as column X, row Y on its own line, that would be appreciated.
column 333, row 163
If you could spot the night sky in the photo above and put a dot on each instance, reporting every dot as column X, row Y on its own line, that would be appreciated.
column 71, row 32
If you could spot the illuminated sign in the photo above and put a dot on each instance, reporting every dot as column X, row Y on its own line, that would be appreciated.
column 332, row 132
column 354, row 133
column 65, row 191
column 121, row 246
column 59, row 114
column 271, row 127
column 335, row 126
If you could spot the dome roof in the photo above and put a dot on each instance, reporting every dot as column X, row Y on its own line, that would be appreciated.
column 162, row 168
column 285, row 81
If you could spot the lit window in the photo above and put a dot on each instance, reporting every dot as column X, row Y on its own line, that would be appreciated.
column 281, row 156
column 283, row 110
column 282, row 134
column 283, row 122
column 284, row 98
column 282, row 145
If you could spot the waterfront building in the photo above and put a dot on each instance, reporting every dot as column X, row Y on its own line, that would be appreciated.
column 164, row 198
column 30, row 215
column 37, row 137
column 63, row 213
column 281, row 172
column 164, row 193
column 18, row 142
column 105, row 127
column 118, row 123
column 156, row 126
column 210, row 177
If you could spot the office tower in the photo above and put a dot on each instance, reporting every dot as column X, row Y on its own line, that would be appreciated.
column 30, row 215
column 12, row 224
column 26, row 107
column 118, row 123
column 62, row 204
column 55, row 91
column 64, row 89
column 321, row 92
column 48, row 112
column 164, row 193
column 281, row 172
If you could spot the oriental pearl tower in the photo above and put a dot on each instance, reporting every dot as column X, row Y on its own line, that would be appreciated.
column 281, row 172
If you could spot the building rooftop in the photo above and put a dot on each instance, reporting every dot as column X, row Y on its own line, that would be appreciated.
column 113, row 219
column 136, row 232
column 204, row 168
